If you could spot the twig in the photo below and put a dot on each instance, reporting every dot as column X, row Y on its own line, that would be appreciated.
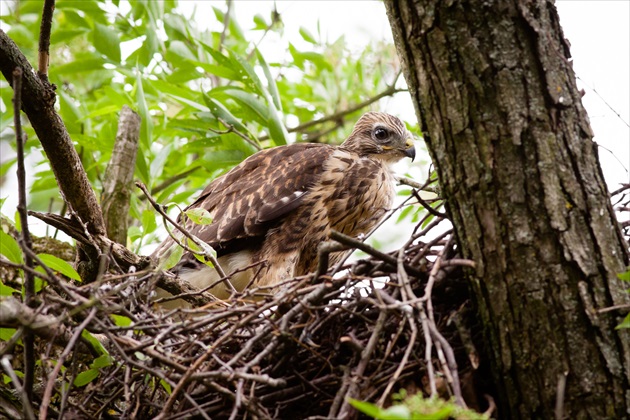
column 17, row 315
column 604, row 100
column 226, row 23
column 426, row 205
column 354, row 243
column 207, row 253
column 323, row 251
column 26, row 401
column 353, row 388
column 44, row 39
column 26, row 242
column 170, row 181
column 43, row 411
column 232, row 129
column 38, row 102
column 560, row 390
column 408, row 311
column 389, row 91
column 452, row 364
column 415, row 184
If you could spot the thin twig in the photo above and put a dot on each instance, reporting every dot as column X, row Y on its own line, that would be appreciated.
column 26, row 242
column 26, row 401
column 226, row 23
column 389, row 91
column 43, row 411
column 44, row 39
column 206, row 253
column 355, row 243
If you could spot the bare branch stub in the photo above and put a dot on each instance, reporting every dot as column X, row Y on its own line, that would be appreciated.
column 119, row 175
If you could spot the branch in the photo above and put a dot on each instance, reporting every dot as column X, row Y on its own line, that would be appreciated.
column 355, row 243
column 170, row 181
column 38, row 104
column 226, row 23
column 72, row 228
column 207, row 251
column 26, row 242
column 391, row 90
column 15, row 315
column 119, row 174
column 44, row 39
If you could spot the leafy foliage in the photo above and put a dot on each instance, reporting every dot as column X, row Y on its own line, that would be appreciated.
column 207, row 98
column 416, row 407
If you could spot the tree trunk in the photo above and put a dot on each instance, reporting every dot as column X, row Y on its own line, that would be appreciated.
column 503, row 120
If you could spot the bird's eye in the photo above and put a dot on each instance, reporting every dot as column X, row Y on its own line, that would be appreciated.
column 381, row 134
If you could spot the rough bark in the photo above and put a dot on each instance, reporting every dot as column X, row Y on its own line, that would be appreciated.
column 502, row 118
column 118, row 178
column 38, row 100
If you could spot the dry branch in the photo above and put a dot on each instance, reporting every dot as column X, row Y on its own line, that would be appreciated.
column 119, row 176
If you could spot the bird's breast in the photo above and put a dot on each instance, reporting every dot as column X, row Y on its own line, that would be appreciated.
column 356, row 193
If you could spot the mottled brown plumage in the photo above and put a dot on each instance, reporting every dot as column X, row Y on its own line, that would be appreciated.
column 279, row 204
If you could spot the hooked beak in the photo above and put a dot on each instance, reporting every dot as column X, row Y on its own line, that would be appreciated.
column 410, row 151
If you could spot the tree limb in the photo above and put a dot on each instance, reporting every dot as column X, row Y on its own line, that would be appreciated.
column 38, row 104
column 44, row 39
column 119, row 174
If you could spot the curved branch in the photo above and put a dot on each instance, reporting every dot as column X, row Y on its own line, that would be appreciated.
column 38, row 104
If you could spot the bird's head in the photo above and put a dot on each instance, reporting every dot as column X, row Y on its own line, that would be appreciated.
column 382, row 136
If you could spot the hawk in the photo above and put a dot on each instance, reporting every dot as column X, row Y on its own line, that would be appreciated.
column 278, row 205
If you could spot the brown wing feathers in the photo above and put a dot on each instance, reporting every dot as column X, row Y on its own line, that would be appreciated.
column 247, row 201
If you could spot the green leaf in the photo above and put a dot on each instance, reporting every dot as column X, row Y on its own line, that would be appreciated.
column 624, row 276
column 143, row 109
column 121, row 321
column 624, row 324
column 277, row 130
column 6, row 291
column 220, row 111
column 199, row 216
column 396, row 412
column 102, row 361
column 148, row 221
column 86, row 335
column 4, row 168
column 59, row 265
column 106, row 42
column 38, row 282
column 6, row 333
column 271, row 83
column 260, row 22
column 86, row 377
column 174, row 255
column 10, row 248
column 307, row 36
column 166, row 386
column 18, row 221
column 80, row 66
column 258, row 109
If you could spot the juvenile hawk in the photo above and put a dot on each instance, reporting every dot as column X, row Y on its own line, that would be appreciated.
column 280, row 203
